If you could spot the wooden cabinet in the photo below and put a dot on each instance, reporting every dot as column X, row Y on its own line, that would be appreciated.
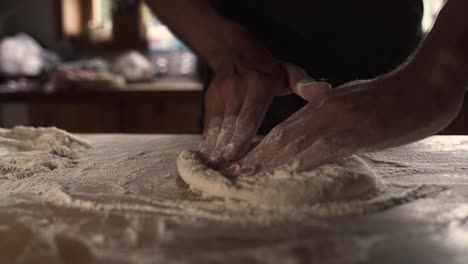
column 169, row 112
column 77, row 117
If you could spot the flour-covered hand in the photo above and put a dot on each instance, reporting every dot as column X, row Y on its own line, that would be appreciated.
column 356, row 117
column 236, row 103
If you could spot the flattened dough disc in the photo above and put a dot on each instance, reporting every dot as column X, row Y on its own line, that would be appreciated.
column 348, row 179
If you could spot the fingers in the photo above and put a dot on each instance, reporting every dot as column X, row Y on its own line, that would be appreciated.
column 221, row 132
column 303, row 153
column 303, row 85
column 276, row 148
column 234, row 98
column 295, row 155
column 287, row 140
column 210, row 136
column 224, row 136
column 311, row 90
column 214, row 115
column 319, row 153
column 248, row 122
column 236, row 109
column 244, row 132
column 284, row 155
column 296, row 75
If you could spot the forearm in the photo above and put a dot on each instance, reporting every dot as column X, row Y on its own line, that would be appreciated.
column 216, row 39
column 443, row 56
column 437, row 76
column 424, row 95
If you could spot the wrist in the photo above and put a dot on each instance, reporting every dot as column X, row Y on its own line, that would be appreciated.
column 241, row 56
column 235, row 47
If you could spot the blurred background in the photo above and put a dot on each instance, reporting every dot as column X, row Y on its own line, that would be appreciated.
column 101, row 66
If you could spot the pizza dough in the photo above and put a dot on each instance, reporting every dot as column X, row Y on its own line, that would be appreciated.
column 348, row 179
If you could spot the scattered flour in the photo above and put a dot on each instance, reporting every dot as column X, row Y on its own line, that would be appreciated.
column 26, row 151
column 123, row 199
column 119, row 182
column 49, row 139
column 25, row 165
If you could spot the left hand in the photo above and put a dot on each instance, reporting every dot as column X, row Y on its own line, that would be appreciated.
column 356, row 117
column 236, row 103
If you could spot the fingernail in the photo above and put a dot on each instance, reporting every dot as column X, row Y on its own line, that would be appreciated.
column 305, row 82
column 228, row 152
column 232, row 170
column 301, row 85
column 326, row 84
column 300, row 89
column 247, row 171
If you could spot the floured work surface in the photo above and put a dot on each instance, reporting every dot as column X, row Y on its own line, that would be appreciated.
column 123, row 202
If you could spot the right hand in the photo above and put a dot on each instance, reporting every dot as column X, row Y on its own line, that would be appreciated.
column 236, row 103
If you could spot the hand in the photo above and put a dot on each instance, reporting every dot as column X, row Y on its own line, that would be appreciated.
column 236, row 103
column 356, row 117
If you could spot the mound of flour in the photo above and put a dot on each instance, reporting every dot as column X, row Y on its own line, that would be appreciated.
column 26, row 151
column 346, row 180
column 50, row 139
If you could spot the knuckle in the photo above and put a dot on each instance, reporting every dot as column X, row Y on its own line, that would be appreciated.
column 277, row 134
column 245, row 131
column 233, row 106
column 214, row 124
column 252, row 114
column 211, row 95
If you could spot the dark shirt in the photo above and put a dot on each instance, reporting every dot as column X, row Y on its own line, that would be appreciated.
column 333, row 40
column 337, row 40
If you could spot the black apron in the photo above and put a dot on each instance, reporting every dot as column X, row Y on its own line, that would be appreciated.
column 336, row 41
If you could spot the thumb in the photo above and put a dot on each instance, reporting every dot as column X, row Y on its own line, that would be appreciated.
column 303, row 85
